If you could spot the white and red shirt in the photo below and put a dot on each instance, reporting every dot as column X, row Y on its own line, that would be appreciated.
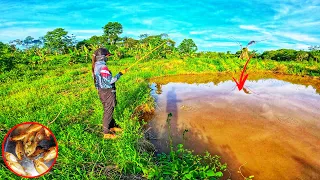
column 103, row 76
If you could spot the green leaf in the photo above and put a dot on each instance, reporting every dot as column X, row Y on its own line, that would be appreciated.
column 166, row 172
column 189, row 175
column 219, row 174
column 210, row 173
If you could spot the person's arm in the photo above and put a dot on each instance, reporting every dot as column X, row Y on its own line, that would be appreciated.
column 106, row 76
column 116, row 78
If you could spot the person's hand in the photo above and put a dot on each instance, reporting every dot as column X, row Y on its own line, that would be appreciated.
column 123, row 71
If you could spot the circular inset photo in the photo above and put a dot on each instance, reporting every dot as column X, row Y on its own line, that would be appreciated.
column 29, row 150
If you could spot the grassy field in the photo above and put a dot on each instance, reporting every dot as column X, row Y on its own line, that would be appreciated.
column 62, row 97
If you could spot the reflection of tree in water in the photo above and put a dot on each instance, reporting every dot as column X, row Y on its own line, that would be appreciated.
column 172, row 107
column 159, row 89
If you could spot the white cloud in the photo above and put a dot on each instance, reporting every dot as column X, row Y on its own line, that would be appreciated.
column 255, row 28
column 9, row 34
column 285, row 45
column 147, row 21
column 210, row 44
column 243, row 39
column 124, row 10
column 81, row 37
column 21, row 33
column 282, row 11
column 201, row 32
column 250, row 27
column 309, row 24
column 297, row 36
column 304, row 10
column 302, row 46
column 176, row 35
column 269, row 35
column 236, row 20
column 180, row 23
column 271, row 26
column 12, row 23
column 316, row 23
column 220, row 44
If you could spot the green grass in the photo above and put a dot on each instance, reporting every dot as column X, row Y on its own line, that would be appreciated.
column 40, row 93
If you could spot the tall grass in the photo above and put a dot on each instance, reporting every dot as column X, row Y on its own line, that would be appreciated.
column 64, row 92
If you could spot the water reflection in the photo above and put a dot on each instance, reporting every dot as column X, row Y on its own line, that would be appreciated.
column 274, row 126
column 172, row 106
column 158, row 90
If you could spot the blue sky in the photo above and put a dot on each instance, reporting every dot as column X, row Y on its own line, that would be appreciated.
column 213, row 25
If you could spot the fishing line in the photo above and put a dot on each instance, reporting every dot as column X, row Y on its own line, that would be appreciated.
column 251, row 42
column 230, row 91
column 147, row 54
column 247, row 87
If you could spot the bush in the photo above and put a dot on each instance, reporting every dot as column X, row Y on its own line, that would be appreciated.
column 183, row 164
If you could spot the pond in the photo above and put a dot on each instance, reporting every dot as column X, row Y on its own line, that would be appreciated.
column 271, row 130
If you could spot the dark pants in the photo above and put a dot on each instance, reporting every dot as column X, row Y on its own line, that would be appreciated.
column 108, row 99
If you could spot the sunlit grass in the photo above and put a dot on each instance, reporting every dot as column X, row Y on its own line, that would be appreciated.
column 41, row 93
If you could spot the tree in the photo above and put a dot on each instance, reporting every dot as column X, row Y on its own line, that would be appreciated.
column 143, row 36
column 111, row 31
column 149, row 42
column 287, row 55
column 7, row 60
column 187, row 46
column 28, row 41
column 72, row 41
column 314, row 53
column 16, row 42
column 130, row 42
column 97, row 40
column 314, row 48
column 37, row 42
column 301, row 55
column 58, row 40
column 82, row 43
column 164, row 35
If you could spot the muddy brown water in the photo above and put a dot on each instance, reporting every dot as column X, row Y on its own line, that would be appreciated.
column 273, row 129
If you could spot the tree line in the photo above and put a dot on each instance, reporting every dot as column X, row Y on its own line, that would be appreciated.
column 59, row 41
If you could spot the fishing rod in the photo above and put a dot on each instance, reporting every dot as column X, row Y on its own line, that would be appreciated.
column 146, row 55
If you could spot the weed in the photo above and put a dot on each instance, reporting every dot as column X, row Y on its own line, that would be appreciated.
column 62, row 96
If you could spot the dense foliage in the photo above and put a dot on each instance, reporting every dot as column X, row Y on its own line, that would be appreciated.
column 51, row 76
column 290, row 54
column 59, row 41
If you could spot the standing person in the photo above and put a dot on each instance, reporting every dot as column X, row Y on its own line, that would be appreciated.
column 105, row 84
